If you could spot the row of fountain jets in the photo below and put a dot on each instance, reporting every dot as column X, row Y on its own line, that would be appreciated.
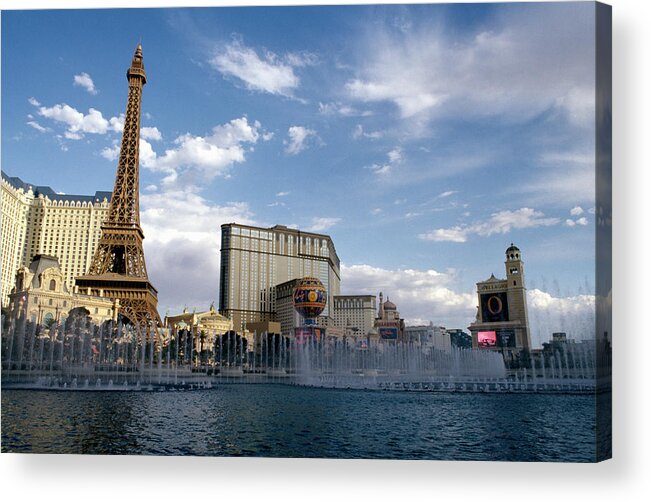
column 114, row 356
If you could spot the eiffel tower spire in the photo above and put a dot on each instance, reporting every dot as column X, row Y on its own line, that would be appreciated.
column 118, row 267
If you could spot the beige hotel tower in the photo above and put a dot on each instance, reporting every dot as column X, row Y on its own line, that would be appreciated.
column 38, row 221
column 502, row 321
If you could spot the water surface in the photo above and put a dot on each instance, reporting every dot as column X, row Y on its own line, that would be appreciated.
column 283, row 421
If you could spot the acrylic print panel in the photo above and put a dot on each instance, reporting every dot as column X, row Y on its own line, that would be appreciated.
column 432, row 182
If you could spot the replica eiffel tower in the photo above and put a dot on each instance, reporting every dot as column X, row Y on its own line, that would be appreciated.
column 118, row 268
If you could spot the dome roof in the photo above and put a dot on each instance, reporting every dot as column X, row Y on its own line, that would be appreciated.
column 389, row 305
column 512, row 248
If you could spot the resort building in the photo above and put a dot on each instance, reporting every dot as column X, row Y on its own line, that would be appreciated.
column 389, row 326
column 42, row 296
column 205, row 326
column 502, row 322
column 255, row 260
column 37, row 220
column 354, row 314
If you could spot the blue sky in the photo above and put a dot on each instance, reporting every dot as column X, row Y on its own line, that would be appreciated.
column 424, row 139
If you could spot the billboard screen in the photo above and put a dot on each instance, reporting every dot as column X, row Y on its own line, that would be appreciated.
column 487, row 339
column 388, row 333
column 505, row 338
column 494, row 307
column 307, row 333
column 497, row 338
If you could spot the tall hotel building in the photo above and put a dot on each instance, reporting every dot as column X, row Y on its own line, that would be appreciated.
column 36, row 220
column 255, row 260
column 355, row 314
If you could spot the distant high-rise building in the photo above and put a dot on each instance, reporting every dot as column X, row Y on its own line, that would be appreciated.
column 502, row 321
column 355, row 314
column 429, row 336
column 255, row 260
column 36, row 220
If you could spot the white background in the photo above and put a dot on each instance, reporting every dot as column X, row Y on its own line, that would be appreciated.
column 626, row 477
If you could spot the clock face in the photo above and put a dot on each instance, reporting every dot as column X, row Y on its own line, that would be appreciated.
column 494, row 307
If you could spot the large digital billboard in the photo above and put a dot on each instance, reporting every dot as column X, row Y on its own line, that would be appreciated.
column 388, row 333
column 487, row 339
column 498, row 338
column 494, row 307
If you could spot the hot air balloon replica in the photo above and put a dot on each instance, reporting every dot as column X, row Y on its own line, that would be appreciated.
column 310, row 297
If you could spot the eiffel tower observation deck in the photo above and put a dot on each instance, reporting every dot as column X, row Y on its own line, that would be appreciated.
column 118, row 269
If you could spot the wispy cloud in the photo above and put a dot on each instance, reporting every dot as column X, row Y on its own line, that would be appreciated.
column 37, row 126
column 501, row 222
column 394, row 157
column 84, row 80
column 359, row 132
column 264, row 72
column 337, row 108
column 426, row 72
column 323, row 223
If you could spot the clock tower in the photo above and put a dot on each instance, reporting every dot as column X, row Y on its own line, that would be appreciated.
column 502, row 321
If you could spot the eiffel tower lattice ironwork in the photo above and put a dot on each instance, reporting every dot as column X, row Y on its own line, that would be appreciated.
column 118, row 267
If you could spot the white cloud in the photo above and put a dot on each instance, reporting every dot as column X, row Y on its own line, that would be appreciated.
column 501, row 222
column 359, row 132
column 183, row 242
column 517, row 70
column 151, row 133
column 298, row 137
column 76, row 122
column 429, row 295
column 37, row 126
column 565, row 175
column 576, row 211
column 265, row 73
column 110, row 153
column 442, row 195
column 84, row 80
column 34, row 102
column 206, row 156
column 574, row 315
column 147, row 156
column 302, row 58
column 570, row 223
column 337, row 108
column 582, row 221
column 418, row 294
column 282, row 194
column 323, row 223
column 394, row 158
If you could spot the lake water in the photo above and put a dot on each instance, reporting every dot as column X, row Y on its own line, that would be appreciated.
column 269, row 420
